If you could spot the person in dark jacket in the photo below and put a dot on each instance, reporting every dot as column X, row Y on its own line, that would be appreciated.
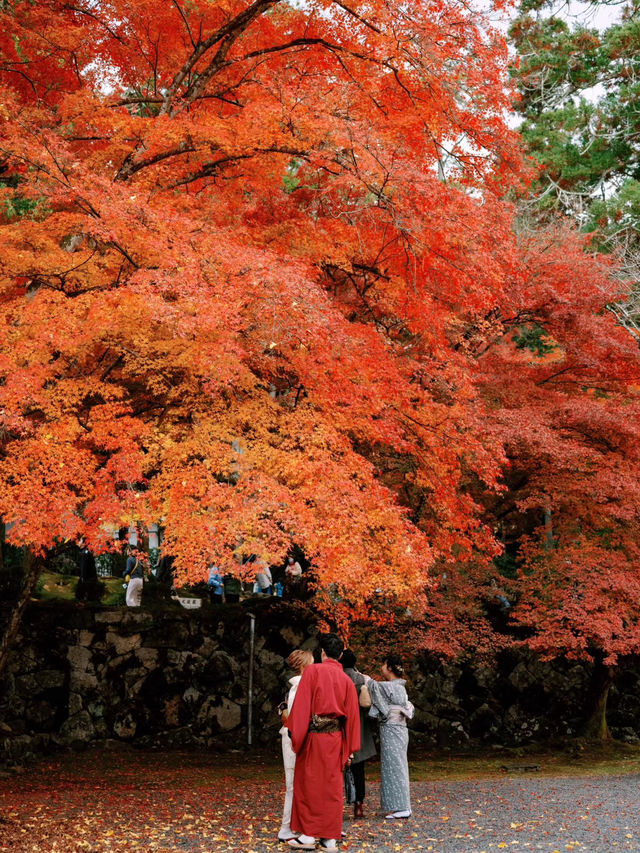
column 367, row 745
column 87, row 563
column 232, row 589
column 164, row 572
column 135, row 571
column 88, row 586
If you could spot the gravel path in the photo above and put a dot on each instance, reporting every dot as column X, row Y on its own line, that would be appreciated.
column 596, row 814
column 118, row 802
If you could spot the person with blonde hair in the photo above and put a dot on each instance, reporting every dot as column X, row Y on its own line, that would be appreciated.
column 298, row 660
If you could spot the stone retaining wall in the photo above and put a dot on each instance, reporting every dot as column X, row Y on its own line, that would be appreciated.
column 167, row 676
column 172, row 677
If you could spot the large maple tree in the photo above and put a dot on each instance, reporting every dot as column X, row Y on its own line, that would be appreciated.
column 562, row 390
column 577, row 459
column 231, row 276
column 260, row 282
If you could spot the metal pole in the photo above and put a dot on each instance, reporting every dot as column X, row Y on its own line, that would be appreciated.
column 252, row 636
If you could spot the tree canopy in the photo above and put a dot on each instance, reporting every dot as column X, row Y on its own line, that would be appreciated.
column 260, row 281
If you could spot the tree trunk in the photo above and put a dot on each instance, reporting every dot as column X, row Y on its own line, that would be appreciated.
column 2, row 532
column 548, row 529
column 31, row 568
column 595, row 726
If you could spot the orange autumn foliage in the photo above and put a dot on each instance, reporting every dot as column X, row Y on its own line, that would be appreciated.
column 237, row 296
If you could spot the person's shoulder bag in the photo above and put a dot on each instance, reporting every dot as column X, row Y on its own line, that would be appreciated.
column 364, row 697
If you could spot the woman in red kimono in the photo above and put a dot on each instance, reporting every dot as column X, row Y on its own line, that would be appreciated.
column 325, row 731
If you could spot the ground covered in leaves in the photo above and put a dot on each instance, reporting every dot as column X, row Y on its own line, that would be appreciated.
column 113, row 801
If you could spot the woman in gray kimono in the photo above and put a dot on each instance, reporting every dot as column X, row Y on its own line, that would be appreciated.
column 390, row 705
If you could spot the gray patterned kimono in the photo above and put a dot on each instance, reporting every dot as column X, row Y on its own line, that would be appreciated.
column 391, row 706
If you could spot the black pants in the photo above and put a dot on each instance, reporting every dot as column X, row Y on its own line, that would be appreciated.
column 358, row 779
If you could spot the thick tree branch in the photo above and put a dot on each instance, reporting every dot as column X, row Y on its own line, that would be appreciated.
column 232, row 29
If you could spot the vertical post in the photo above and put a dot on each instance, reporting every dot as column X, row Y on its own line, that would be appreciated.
column 252, row 636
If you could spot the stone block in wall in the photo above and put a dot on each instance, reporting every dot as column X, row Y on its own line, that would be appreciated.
column 424, row 720
column 270, row 672
column 101, row 729
column 271, row 661
column 106, row 669
column 207, row 648
column 108, row 616
column 50, row 678
column 76, row 704
column 25, row 658
column 485, row 677
column 40, row 714
column 292, row 637
column 125, row 725
column 147, row 657
column 169, row 633
column 26, row 685
column 220, row 714
column 123, row 644
column 171, row 711
column 133, row 676
column 126, row 620
column 85, row 638
column 96, row 709
column 180, row 658
column 519, row 726
column 523, row 675
column 191, row 696
column 435, row 686
column 82, row 682
column 16, row 747
column 484, row 722
column 15, row 712
column 221, row 668
column 451, row 733
column 79, row 658
column 133, row 688
column 78, row 729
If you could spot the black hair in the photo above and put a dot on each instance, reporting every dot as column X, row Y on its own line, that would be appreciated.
column 331, row 645
column 394, row 663
column 348, row 659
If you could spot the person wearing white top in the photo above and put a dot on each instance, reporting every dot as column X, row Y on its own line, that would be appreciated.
column 294, row 569
column 298, row 660
column 264, row 581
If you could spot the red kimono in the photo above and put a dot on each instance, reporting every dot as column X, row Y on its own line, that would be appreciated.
column 321, row 756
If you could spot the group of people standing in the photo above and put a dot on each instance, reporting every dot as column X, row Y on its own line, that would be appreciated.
column 221, row 588
column 230, row 586
column 327, row 727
